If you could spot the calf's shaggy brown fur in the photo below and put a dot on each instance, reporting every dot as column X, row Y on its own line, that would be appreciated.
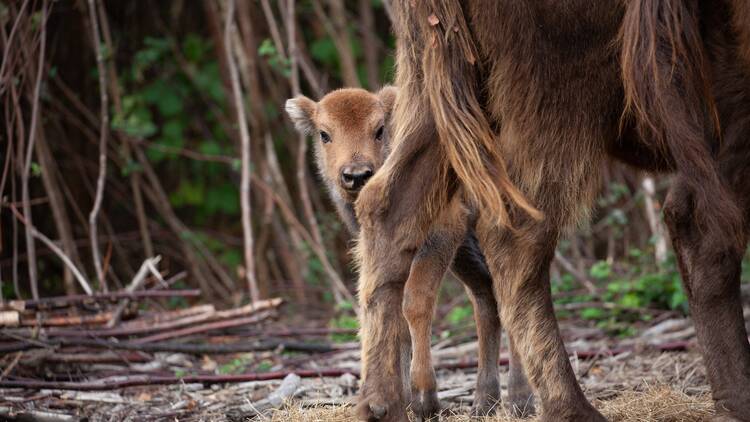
column 528, row 99
column 351, row 127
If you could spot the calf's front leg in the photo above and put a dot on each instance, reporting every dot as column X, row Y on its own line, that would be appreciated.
column 420, row 296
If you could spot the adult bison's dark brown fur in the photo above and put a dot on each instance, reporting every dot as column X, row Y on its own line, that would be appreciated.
column 512, row 107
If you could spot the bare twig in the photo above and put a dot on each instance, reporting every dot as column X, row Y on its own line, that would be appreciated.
column 569, row 267
column 134, row 285
column 337, row 29
column 4, row 81
column 273, row 27
column 50, row 244
column 103, row 135
column 247, row 224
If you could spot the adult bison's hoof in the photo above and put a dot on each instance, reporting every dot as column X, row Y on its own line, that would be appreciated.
column 425, row 405
column 381, row 401
column 725, row 418
column 585, row 412
column 486, row 398
column 521, row 403
column 484, row 406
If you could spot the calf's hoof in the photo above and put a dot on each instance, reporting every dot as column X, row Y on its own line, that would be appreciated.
column 425, row 405
column 381, row 402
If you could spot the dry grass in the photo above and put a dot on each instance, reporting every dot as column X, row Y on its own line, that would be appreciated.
column 656, row 404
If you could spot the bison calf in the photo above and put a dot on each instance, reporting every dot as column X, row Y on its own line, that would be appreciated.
column 353, row 131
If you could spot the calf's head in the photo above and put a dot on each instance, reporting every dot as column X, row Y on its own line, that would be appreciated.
column 350, row 128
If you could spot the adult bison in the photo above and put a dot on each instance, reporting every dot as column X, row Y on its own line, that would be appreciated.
column 513, row 107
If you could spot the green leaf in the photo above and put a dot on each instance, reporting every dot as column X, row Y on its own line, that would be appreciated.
column 593, row 313
column 324, row 50
column 631, row 300
column 266, row 48
column 187, row 194
column 224, row 198
column 601, row 270
column 194, row 48
column 459, row 314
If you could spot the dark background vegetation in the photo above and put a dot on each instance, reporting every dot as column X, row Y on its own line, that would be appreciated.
column 174, row 164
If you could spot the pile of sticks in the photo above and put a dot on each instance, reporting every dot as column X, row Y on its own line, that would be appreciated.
column 124, row 327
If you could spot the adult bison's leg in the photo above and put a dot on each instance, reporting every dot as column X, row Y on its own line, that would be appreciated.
column 470, row 267
column 519, row 262
column 520, row 394
column 710, row 265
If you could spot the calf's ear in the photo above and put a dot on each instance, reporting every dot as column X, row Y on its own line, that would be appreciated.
column 387, row 96
column 301, row 111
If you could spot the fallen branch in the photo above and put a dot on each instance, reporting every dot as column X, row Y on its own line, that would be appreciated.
column 139, row 380
column 275, row 400
column 7, row 413
column 202, row 349
column 66, row 320
column 148, row 266
column 63, row 301
column 219, row 325
column 228, row 318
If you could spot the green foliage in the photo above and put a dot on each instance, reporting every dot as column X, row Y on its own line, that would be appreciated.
column 274, row 57
column 635, row 284
column 460, row 314
column 234, row 366
column 346, row 320
column 7, row 290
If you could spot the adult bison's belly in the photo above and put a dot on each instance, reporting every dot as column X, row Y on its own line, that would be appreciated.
column 552, row 64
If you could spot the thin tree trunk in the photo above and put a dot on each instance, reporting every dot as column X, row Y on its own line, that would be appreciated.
column 103, row 136
column 57, row 205
column 247, row 227
column 654, row 222
column 369, row 46
column 30, row 247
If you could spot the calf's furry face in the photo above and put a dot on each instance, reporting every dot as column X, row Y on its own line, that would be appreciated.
column 350, row 130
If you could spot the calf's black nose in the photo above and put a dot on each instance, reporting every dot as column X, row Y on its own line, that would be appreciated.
column 354, row 177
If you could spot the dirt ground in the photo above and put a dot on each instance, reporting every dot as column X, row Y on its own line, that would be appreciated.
column 664, row 387
column 645, row 386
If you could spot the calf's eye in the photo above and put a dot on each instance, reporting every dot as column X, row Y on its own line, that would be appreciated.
column 379, row 133
column 325, row 137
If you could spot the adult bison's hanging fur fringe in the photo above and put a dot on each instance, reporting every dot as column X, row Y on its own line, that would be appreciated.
column 667, row 90
column 448, row 56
